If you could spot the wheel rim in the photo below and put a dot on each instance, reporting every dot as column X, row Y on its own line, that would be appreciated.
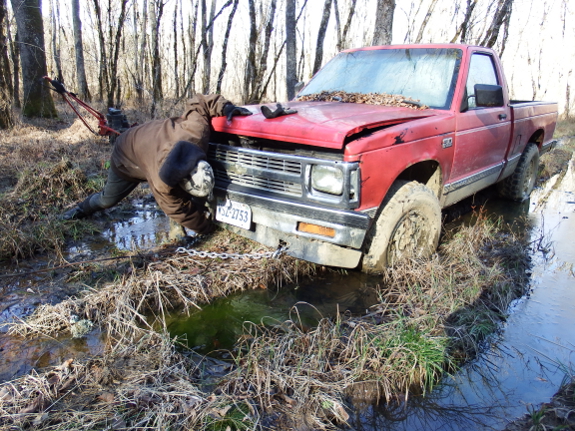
column 408, row 238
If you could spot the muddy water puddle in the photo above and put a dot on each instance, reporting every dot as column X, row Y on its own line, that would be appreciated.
column 141, row 227
column 216, row 328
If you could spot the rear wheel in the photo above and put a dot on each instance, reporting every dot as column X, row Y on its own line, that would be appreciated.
column 408, row 226
column 519, row 185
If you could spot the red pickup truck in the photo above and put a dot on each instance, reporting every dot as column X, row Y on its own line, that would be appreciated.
column 382, row 140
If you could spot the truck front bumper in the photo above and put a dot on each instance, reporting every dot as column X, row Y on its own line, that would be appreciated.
column 334, row 239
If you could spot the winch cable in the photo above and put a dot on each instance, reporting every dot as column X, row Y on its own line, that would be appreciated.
column 103, row 128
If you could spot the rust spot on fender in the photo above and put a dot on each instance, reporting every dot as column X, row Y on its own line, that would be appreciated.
column 399, row 138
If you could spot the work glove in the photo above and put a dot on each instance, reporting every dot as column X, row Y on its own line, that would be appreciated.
column 231, row 110
column 280, row 110
column 200, row 183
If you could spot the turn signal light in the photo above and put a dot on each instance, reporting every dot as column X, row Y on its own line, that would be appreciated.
column 315, row 229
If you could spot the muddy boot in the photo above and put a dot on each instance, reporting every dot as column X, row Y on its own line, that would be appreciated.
column 177, row 232
column 75, row 213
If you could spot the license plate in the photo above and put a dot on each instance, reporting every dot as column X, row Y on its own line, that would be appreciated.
column 234, row 213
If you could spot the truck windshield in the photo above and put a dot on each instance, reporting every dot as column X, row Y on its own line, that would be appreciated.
column 424, row 74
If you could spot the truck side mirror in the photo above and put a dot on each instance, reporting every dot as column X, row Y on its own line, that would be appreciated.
column 488, row 95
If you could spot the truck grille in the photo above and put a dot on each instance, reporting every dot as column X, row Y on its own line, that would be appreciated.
column 257, row 170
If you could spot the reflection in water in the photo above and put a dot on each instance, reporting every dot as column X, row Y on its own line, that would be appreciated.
column 19, row 357
column 145, row 228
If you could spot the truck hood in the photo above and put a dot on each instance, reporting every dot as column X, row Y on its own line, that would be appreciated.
column 321, row 124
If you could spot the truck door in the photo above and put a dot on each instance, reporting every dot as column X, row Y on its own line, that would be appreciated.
column 482, row 133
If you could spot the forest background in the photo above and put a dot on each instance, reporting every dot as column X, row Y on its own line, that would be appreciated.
column 155, row 53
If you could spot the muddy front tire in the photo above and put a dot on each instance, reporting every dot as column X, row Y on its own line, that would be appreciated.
column 408, row 226
column 519, row 185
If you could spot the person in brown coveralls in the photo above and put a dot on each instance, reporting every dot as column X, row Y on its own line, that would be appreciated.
column 171, row 156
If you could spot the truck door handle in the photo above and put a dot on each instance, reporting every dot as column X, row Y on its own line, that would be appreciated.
column 502, row 116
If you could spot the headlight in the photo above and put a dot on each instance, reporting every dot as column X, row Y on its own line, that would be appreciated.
column 327, row 179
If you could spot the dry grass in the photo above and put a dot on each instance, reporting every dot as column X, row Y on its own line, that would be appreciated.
column 146, row 385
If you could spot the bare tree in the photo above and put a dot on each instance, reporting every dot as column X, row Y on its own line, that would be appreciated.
column 156, row 12
column 501, row 17
column 383, row 32
column 262, row 66
column 185, row 54
column 55, row 18
column 103, row 70
column 79, row 49
column 207, row 43
column 251, row 59
column 347, row 25
column 568, row 102
column 115, row 50
column 15, row 57
column 176, row 53
column 225, row 47
column 140, row 49
column 37, row 98
column 277, row 56
column 6, row 118
column 321, row 35
column 425, row 21
column 291, row 59
column 463, row 30
column 192, row 26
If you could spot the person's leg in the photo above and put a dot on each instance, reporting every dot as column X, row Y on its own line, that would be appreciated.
column 115, row 190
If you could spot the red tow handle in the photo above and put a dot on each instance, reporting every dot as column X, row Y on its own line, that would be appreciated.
column 103, row 128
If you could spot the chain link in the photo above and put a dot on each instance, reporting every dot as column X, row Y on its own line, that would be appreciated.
column 234, row 256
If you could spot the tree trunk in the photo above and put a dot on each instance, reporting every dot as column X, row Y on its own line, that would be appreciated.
column 156, row 12
column 321, row 35
column 55, row 18
column 425, row 21
column 115, row 52
column 175, row 34
column 141, row 58
column 347, row 24
column 15, row 57
column 225, row 47
column 383, row 31
column 6, row 118
column 184, row 69
column 37, row 98
column 83, row 90
column 207, row 44
column 192, row 27
column 251, row 60
column 291, row 49
column 103, row 72
column 466, row 24
column 500, row 17
column 262, row 66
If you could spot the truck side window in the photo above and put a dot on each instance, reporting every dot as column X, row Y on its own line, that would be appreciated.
column 481, row 71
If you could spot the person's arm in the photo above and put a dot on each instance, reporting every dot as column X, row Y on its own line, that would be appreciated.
column 213, row 105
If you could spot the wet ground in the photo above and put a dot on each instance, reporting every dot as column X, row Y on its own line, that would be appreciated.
column 522, row 367
column 526, row 363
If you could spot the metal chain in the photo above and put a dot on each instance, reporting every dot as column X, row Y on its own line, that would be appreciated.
column 234, row 256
